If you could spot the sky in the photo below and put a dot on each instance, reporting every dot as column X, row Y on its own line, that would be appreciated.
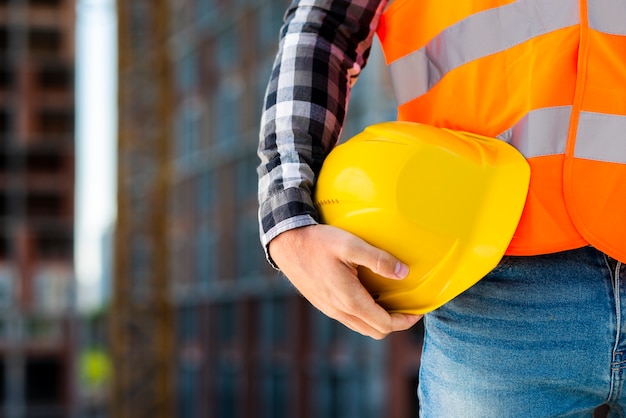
column 96, row 128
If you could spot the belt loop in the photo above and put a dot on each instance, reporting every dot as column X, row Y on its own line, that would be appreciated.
column 612, row 265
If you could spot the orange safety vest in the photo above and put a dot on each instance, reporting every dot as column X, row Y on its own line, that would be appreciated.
column 547, row 76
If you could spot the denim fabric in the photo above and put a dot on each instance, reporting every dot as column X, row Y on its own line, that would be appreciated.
column 541, row 336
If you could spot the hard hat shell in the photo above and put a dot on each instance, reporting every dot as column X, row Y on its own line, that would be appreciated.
column 444, row 202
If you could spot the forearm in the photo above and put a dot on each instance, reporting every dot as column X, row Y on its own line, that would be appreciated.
column 323, row 47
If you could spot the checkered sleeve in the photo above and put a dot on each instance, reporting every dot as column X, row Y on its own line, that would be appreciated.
column 323, row 46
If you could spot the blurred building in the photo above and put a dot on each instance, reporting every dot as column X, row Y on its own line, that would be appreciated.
column 36, row 207
column 192, row 79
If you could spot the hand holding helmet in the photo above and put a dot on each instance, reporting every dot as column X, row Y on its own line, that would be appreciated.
column 322, row 262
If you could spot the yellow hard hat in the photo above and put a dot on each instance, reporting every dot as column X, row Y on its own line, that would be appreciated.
column 444, row 202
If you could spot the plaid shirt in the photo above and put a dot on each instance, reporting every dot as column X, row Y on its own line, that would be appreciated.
column 323, row 47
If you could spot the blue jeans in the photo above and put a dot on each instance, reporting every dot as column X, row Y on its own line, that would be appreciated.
column 541, row 336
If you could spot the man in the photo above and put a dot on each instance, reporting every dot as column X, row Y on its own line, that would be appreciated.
column 543, row 334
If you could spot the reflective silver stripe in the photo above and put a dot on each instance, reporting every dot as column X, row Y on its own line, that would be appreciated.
column 541, row 132
column 477, row 36
column 601, row 137
column 608, row 16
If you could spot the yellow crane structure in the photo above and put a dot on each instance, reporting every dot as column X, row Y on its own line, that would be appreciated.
column 141, row 314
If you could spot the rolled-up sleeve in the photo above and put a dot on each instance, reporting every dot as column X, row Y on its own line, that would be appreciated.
column 323, row 47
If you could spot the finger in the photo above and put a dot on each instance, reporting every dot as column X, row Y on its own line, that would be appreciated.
column 373, row 317
column 386, row 323
column 377, row 260
column 358, row 325
column 403, row 321
column 399, row 322
column 348, row 306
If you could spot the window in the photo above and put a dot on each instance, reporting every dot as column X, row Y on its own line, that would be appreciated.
column 43, row 328
column 7, row 278
column 6, row 247
column 178, row 266
column 275, row 322
column 187, row 72
column 4, row 203
column 45, row 3
column 228, row 389
column 187, row 323
column 206, row 192
column 276, row 392
column 55, row 77
column 44, row 162
column 44, row 380
column 251, row 255
column 55, row 244
column 4, row 40
column 56, row 122
column 228, row 49
column 6, row 78
column 179, row 201
column 269, row 22
column 338, row 394
column 141, row 260
column 246, row 178
column 139, row 17
column 188, row 131
column 228, row 105
column 226, row 322
column 187, row 398
column 53, row 289
column 45, row 40
column 206, row 254
column 44, row 205
column 5, row 122
column 206, row 8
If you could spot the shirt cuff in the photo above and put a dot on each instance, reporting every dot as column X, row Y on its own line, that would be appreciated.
column 291, row 208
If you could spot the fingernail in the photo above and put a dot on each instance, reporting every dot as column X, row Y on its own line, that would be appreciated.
column 401, row 270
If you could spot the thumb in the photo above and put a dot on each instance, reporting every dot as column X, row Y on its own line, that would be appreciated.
column 380, row 262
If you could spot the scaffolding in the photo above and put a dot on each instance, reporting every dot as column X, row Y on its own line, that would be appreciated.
column 141, row 314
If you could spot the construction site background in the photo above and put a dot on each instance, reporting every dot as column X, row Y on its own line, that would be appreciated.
column 195, row 324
